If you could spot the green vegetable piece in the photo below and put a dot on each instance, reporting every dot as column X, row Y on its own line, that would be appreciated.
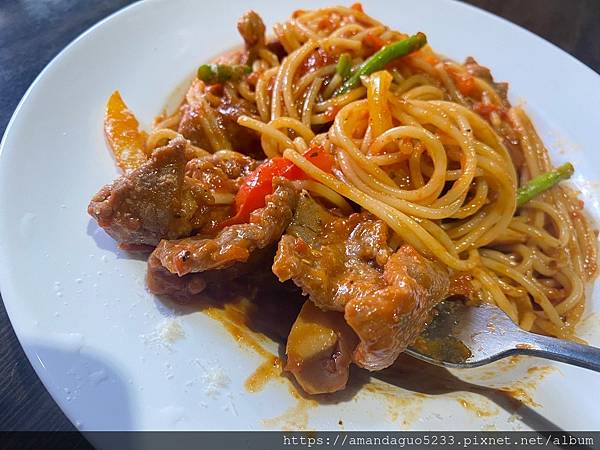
column 344, row 66
column 543, row 182
column 381, row 58
column 205, row 73
column 219, row 73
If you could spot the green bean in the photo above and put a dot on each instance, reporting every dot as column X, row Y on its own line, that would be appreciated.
column 218, row 73
column 543, row 182
column 381, row 58
column 344, row 66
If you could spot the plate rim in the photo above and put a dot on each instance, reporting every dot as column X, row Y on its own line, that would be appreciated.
column 32, row 357
column 11, row 296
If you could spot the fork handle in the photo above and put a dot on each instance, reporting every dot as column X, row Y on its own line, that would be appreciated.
column 560, row 350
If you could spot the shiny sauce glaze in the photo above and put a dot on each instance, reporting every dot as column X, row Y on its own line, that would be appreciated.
column 260, row 311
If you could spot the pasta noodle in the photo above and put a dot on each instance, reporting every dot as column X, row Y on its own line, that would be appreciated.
column 430, row 146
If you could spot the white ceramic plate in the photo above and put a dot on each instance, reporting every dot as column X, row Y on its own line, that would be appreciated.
column 80, row 308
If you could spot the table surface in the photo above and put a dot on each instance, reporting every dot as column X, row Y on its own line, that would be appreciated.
column 33, row 32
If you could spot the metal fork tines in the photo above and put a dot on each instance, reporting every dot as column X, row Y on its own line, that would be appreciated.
column 463, row 336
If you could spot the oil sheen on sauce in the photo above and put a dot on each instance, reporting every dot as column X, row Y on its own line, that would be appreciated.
column 234, row 318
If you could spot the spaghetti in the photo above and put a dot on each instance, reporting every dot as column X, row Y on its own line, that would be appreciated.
column 413, row 151
column 430, row 146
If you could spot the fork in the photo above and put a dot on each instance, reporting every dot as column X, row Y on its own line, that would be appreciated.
column 462, row 336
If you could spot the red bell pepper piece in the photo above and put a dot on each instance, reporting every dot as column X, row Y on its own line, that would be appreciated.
column 258, row 184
